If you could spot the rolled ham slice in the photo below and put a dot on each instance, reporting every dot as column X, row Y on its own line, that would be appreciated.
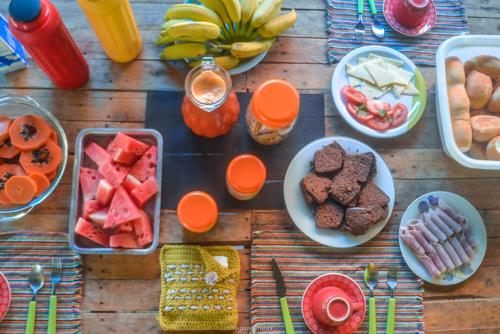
column 448, row 209
column 433, row 228
column 460, row 250
column 445, row 258
column 452, row 254
column 417, row 234
column 465, row 244
column 419, row 225
column 469, row 235
column 411, row 242
column 455, row 226
column 429, row 265
column 434, row 217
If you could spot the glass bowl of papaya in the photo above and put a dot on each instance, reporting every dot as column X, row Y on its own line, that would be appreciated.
column 33, row 155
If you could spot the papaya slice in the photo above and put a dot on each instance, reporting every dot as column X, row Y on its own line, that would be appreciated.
column 6, row 172
column 53, row 136
column 4, row 127
column 51, row 175
column 4, row 200
column 29, row 132
column 7, row 150
column 42, row 182
column 44, row 160
column 20, row 189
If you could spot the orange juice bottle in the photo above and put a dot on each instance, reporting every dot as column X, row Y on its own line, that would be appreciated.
column 115, row 27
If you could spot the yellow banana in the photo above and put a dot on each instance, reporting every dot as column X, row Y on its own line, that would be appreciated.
column 194, row 29
column 193, row 12
column 228, row 62
column 250, row 49
column 247, row 9
column 184, row 50
column 265, row 11
column 218, row 7
column 167, row 24
column 276, row 26
column 165, row 39
column 233, row 9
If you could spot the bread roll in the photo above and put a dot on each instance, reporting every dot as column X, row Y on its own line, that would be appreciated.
column 485, row 127
column 479, row 88
column 493, row 149
column 462, row 133
column 489, row 65
column 494, row 104
column 455, row 74
column 459, row 102
column 478, row 150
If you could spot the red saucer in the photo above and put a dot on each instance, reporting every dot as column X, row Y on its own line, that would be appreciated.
column 4, row 296
column 428, row 21
column 353, row 291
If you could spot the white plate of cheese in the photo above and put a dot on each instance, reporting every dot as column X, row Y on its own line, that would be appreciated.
column 384, row 74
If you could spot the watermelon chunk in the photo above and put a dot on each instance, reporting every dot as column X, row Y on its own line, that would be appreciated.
column 124, row 240
column 121, row 210
column 127, row 227
column 89, row 179
column 90, row 207
column 97, row 154
column 145, row 192
column 130, row 183
column 145, row 167
column 105, row 192
column 128, row 144
column 91, row 232
column 143, row 229
column 99, row 217
column 126, row 158
column 114, row 172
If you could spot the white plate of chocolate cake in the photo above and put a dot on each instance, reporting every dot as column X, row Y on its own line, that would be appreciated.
column 339, row 192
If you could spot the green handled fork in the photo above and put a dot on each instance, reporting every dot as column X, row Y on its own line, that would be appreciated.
column 392, row 281
column 55, row 277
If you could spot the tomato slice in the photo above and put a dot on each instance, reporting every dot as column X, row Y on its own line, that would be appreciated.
column 44, row 160
column 353, row 95
column 29, row 132
column 378, row 124
column 378, row 108
column 399, row 115
column 359, row 112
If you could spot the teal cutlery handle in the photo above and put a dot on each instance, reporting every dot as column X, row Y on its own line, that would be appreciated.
column 372, row 316
column 30, row 323
column 391, row 313
column 361, row 4
column 286, row 316
column 373, row 9
column 52, row 315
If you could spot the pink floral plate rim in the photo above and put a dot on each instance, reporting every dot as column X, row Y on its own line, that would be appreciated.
column 427, row 24
column 4, row 296
column 353, row 289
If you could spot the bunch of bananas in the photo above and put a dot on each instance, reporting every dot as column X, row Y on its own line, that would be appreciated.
column 228, row 30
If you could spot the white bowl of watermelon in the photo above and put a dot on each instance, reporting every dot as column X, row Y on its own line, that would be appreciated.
column 116, row 195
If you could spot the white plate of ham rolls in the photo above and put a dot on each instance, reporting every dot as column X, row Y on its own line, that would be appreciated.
column 442, row 238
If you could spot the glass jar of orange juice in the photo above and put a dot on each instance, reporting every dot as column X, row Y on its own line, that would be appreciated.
column 210, row 108
column 245, row 177
column 272, row 112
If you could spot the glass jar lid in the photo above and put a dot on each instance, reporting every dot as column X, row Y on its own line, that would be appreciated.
column 197, row 211
column 275, row 103
column 246, row 174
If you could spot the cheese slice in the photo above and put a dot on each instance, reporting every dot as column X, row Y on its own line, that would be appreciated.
column 355, row 82
column 395, row 62
column 371, row 91
column 360, row 72
column 362, row 60
column 397, row 90
column 411, row 90
column 402, row 73
column 384, row 77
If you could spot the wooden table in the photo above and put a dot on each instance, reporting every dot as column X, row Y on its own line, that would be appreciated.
column 121, row 293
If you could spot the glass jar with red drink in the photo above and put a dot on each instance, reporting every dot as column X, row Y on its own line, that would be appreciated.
column 410, row 13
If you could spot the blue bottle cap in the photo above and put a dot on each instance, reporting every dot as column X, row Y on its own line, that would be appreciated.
column 25, row 10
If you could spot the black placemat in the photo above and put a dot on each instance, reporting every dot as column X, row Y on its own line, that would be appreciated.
column 192, row 163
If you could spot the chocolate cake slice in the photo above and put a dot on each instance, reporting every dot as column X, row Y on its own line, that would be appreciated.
column 329, row 159
column 359, row 219
column 344, row 188
column 329, row 215
column 359, row 165
column 372, row 195
column 317, row 187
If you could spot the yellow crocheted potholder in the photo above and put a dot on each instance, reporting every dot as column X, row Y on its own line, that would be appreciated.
column 198, row 288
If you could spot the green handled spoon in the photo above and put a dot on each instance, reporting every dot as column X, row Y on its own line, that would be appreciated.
column 36, row 280
column 371, row 279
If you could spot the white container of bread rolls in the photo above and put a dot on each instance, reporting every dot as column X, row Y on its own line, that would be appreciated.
column 468, row 99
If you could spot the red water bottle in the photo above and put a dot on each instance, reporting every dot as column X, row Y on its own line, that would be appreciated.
column 40, row 29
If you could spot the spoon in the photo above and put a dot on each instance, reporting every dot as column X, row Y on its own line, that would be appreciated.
column 377, row 27
column 371, row 279
column 36, row 280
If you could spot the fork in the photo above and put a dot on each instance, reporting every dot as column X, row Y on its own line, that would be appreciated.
column 359, row 28
column 392, row 281
column 55, row 277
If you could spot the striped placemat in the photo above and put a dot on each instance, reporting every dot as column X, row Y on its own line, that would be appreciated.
column 342, row 16
column 19, row 251
column 301, row 260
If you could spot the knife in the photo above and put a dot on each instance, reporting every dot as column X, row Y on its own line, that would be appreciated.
column 280, row 284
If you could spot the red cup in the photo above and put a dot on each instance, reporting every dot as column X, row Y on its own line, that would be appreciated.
column 410, row 13
column 331, row 306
